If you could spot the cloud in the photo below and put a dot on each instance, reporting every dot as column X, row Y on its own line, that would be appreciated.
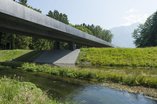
column 134, row 16
column 132, row 10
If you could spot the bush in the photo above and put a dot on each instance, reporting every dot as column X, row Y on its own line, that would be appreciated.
column 13, row 91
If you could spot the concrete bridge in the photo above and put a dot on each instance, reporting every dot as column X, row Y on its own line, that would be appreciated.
column 16, row 18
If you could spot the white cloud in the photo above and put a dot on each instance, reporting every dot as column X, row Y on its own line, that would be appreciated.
column 132, row 10
column 134, row 16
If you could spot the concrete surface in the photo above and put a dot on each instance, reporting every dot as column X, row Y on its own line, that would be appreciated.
column 58, row 57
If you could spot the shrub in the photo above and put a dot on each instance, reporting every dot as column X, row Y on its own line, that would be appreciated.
column 12, row 91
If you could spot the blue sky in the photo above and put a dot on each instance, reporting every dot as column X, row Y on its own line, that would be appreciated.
column 106, row 13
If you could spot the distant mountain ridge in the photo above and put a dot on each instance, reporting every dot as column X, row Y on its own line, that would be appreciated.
column 122, row 36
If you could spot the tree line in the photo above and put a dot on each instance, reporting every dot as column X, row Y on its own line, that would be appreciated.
column 146, row 34
column 16, row 41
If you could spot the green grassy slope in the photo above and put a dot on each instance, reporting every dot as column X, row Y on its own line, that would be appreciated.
column 8, row 55
column 19, row 55
column 15, row 92
column 139, row 57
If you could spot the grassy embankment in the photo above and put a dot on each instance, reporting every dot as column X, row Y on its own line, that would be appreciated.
column 108, row 57
column 18, row 55
column 139, row 57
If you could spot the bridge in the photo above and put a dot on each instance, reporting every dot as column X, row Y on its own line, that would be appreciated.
column 16, row 18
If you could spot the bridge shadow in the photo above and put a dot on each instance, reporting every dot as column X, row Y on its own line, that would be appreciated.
column 18, row 61
column 28, row 57
column 53, row 57
column 50, row 57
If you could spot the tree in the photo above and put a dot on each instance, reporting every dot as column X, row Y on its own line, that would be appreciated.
column 41, row 44
column 83, row 28
column 96, row 31
column 5, row 40
column 58, row 16
column 23, row 2
column 146, row 34
column 22, row 42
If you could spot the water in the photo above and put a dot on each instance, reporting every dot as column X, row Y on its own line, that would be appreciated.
column 96, row 94
column 78, row 91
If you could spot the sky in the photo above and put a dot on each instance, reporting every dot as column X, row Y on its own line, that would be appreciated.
column 106, row 13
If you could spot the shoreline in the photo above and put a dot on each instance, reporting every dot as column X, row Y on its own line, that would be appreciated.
column 150, row 93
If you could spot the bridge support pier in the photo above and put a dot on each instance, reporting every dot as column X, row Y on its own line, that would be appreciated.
column 1, row 40
column 57, row 45
column 72, row 46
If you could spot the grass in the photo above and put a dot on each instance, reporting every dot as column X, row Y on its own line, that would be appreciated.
column 139, row 57
column 15, row 92
column 8, row 55
column 132, row 77
column 18, row 55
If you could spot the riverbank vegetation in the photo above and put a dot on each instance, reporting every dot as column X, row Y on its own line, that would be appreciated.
column 131, row 77
column 141, row 77
column 139, row 57
column 13, row 92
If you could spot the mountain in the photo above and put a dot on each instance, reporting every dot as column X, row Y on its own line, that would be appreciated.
column 122, row 36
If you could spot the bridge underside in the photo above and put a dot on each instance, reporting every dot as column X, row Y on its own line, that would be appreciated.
column 15, row 18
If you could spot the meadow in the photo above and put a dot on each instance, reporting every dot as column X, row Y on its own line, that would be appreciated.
column 135, row 57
